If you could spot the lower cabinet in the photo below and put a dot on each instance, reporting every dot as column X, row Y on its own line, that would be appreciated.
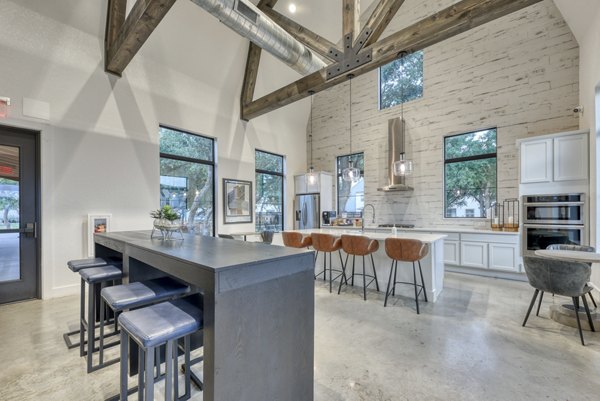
column 451, row 252
column 483, row 251
column 504, row 257
column 474, row 254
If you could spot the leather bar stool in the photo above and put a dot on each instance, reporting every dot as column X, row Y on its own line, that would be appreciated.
column 358, row 245
column 75, row 266
column 162, row 324
column 405, row 250
column 134, row 295
column 294, row 239
column 96, row 278
column 328, row 244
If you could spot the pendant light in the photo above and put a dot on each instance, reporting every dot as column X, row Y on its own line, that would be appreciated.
column 311, row 177
column 403, row 167
column 351, row 173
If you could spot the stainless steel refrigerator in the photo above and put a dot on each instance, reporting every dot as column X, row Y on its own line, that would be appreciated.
column 307, row 211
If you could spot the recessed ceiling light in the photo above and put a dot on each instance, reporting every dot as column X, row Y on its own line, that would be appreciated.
column 292, row 8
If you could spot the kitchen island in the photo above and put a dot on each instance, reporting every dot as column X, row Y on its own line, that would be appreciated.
column 258, row 303
column 433, row 263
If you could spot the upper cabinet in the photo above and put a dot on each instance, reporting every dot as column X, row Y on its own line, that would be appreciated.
column 571, row 158
column 555, row 158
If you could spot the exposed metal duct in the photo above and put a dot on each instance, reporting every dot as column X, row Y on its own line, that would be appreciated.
column 247, row 20
column 396, row 134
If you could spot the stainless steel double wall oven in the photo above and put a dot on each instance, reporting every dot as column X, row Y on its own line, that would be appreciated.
column 553, row 219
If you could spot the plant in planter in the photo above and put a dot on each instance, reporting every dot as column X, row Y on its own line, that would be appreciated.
column 166, row 220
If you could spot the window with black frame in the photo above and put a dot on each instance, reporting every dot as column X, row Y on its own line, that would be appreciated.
column 187, row 177
column 401, row 80
column 269, row 191
column 351, row 195
column 470, row 174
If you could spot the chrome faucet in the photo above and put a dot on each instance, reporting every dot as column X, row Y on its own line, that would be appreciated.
column 363, row 213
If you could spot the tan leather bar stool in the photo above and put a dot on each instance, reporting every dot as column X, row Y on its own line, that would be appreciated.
column 293, row 239
column 328, row 244
column 405, row 250
column 358, row 245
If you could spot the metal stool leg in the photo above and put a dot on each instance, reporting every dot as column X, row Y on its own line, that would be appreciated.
column 149, row 372
column 375, row 273
column 124, row 362
column 170, row 373
column 353, row 260
column 82, row 319
column 395, row 273
column 592, row 298
column 387, row 291
column 423, row 282
column 141, row 366
column 415, row 285
column 343, row 267
column 91, row 324
column 364, row 279
column 330, row 273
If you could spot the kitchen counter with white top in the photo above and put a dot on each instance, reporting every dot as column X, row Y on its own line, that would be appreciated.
column 462, row 230
column 432, row 264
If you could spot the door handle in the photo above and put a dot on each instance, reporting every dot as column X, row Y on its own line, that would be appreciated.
column 30, row 230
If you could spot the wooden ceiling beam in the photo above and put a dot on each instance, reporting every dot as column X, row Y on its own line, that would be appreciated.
column 451, row 21
column 250, row 75
column 262, row 4
column 114, row 21
column 351, row 17
column 305, row 36
column 380, row 18
column 133, row 32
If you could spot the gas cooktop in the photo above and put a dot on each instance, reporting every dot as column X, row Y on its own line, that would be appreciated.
column 397, row 225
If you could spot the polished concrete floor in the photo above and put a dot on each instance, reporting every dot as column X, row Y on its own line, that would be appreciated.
column 468, row 346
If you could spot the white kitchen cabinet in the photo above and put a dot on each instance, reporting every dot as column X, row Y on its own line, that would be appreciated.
column 504, row 257
column 554, row 158
column 452, row 252
column 474, row 254
column 571, row 158
column 536, row 161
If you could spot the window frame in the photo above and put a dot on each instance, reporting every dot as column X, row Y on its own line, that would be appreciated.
column 211, row 163
column 338, row 176
column 467, row 159
column 379, row 107
column 269, row 172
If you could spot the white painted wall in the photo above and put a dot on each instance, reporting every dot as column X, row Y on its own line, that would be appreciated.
column 100, row 146
column 519, row 73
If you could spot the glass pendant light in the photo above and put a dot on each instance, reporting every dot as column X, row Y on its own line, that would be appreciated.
column 351, row 173
column 312, row 178
column 403, row 167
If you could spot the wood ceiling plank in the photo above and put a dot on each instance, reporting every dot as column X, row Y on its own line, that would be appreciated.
column 310, row 39
column 451, row 21
column 141, row 22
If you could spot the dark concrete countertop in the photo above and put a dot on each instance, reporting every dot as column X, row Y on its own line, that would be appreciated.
column 206, row 252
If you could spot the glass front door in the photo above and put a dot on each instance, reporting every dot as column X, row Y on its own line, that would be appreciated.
column 18, row 215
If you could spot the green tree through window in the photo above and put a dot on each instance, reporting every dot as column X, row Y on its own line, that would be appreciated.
column 269, row 191
column 187, row 177
column 470, row 173
column 401, row 80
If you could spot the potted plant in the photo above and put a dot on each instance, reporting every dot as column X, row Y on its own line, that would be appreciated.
column 166, row 220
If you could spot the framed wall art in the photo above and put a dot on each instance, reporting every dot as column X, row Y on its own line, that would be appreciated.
column 237, row 201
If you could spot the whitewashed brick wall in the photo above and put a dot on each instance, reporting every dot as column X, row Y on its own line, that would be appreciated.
column 519, row 73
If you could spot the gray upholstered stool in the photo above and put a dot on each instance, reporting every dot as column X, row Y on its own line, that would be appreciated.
column 96, row 278
column 151, row 327
column 75, row 266
column 135, row 295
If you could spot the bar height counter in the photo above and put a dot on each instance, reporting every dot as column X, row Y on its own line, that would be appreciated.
column 258, row 303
